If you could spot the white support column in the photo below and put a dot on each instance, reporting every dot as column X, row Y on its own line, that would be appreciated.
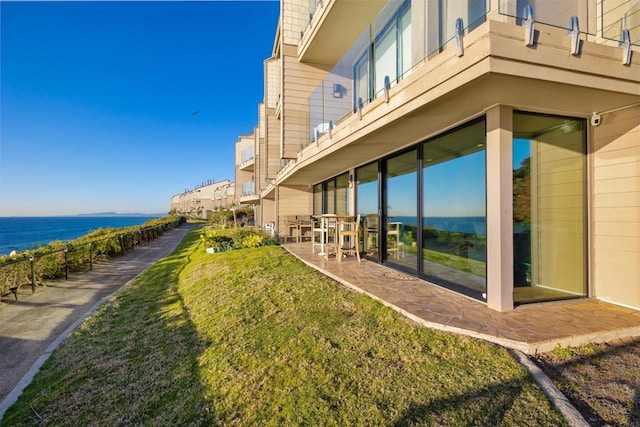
column 500, row 208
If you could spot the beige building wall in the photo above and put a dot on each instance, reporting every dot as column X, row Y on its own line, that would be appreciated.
column 299, row 81
column 558, row 197
column 616, row 208
column 294, row 18
column 203, row 198
column 272, row 82
column 293, row 200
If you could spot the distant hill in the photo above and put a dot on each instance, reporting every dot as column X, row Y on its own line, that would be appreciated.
column 120, row 214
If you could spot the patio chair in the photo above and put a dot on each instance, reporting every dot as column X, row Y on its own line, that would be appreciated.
column 317, row 234
column 348, row 241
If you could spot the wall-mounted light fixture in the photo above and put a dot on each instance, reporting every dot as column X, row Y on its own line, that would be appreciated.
column 360, row 108
column 338, row 90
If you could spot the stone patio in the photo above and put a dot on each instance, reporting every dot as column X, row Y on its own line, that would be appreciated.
column 529, row 328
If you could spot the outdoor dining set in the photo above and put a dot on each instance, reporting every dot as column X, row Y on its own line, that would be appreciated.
column 334, row 235
column 329, row 234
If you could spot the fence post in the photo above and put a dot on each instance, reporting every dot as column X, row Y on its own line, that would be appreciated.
column 33, row 276
column 90, row 256
column 121, row 240
column 66, row 265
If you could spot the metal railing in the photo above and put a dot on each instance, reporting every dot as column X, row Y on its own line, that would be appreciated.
column 33, row 267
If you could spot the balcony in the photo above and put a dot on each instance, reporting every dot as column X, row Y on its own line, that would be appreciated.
column 249, row 195
column 385, row 52
column 247, row 159
column 393, row 84
column 333, row 24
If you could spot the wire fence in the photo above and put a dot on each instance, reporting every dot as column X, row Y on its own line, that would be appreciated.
column 32, row 269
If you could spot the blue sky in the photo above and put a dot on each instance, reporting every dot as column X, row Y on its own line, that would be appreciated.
column 97, row 100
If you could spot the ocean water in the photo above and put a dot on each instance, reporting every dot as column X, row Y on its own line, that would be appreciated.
column 23, row 233
column 460, row 224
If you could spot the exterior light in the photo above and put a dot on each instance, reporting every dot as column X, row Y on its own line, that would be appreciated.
column 337, row 90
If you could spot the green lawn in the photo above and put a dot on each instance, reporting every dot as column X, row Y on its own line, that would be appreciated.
column 254, row 337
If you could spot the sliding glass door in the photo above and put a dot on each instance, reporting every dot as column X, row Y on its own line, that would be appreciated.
column 548, row 207
column 367, row 192
column 454, row 236
column 401, row 211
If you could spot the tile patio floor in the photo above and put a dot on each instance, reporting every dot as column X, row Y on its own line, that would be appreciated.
column 529, row 328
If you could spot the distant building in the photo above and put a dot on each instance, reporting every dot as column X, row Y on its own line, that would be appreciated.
column 205, row 198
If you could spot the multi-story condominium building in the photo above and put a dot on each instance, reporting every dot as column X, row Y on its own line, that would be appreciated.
column 490, row 147
column 204, row 198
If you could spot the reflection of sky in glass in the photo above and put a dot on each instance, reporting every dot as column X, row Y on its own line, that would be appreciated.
column 403, row 193
column 521, row 150
column 368, row 198
column 456, row 187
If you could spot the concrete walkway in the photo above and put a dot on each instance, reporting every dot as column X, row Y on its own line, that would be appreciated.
column 32, row 327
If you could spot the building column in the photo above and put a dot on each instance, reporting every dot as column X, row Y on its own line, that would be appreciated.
column 500, row 208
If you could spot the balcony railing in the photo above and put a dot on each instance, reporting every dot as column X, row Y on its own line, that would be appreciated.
column 616, row 18
column 383, row 55
column 246, row 155
column 248, row 189
column 313, row 6
column 555, row 13
column 385, row 52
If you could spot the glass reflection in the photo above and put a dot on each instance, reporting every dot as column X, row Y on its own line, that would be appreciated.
column 454, row 210
column 548, row 208
column 342, row 194
column 367, row 205
column 401, row 210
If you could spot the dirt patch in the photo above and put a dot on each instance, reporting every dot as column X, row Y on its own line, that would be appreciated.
column 601, row 380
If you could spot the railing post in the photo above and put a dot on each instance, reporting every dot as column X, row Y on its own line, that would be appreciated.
column 33, row 276
column 66, row 265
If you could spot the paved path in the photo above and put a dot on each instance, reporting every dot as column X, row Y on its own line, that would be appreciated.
column 32, row 327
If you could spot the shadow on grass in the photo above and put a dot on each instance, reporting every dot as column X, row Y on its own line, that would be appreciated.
column 493, row 402
column 141, row 340
column 604, row 385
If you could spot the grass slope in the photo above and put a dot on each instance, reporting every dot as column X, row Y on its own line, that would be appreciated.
column 254, row 337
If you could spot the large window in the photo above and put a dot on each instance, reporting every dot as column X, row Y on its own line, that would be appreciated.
column 332, row 196
column 367, row 207
column 342, row 194
column 454, row 250
column 548, row 207
column 317, row 199
column 401, row 210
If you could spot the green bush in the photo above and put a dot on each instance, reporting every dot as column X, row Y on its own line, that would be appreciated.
column 49, row 260
column 222, row 239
